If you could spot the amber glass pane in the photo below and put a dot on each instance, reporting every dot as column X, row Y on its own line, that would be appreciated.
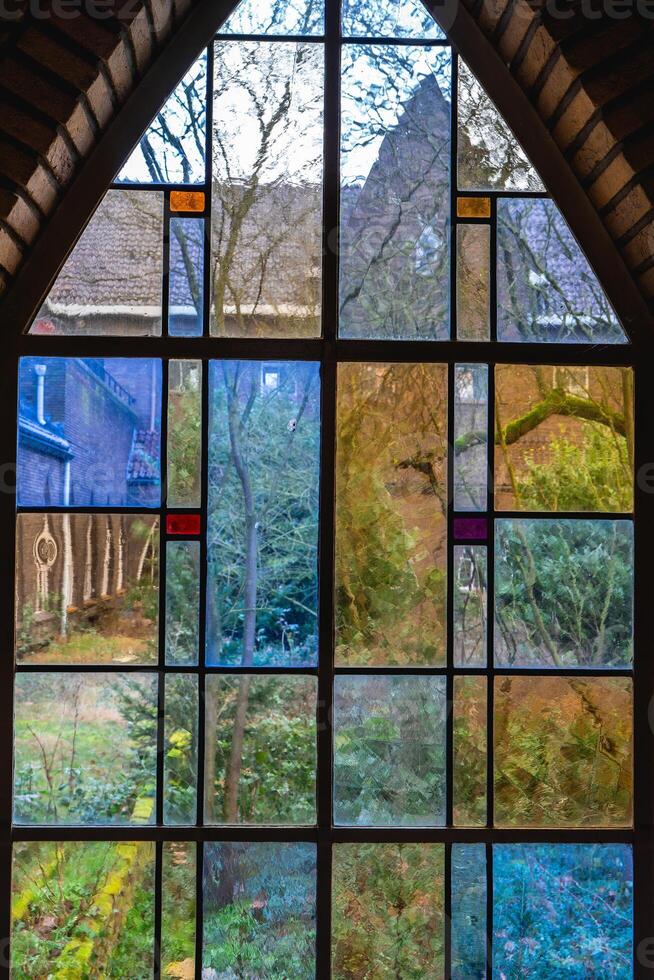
column 395, row 184
column 564, row 438
column 82, row 909
column 111, row 283
column 390, row 514
column 470, row 751
column 473, row 282
column 266, row 234
column 260, row 749
column 473, row 207
column 87, row 589
column 181, row 749
column 178, row 910
column 563, row 752
column 187, row 201
column 470, row 605
column 184, row 433
column 388, row 917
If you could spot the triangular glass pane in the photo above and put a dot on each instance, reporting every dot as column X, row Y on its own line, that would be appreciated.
column 389, row 18
column 546, row 290
column 281, row 17
column 172, row 149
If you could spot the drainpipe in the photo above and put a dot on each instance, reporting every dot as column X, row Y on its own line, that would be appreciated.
column 66, row 500
column 39, row 370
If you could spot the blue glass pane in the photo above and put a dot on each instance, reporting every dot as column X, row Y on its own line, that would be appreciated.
column 547, row 291
column 172, row 149
column 562, row 911
column 186, row 282
column 389, row 751
column 277, row 17
column 259, row 910
column 563, row 593
column 262, row 533
column 468, row 912
column 89, row 432
column 388, row 18
column 395, row 193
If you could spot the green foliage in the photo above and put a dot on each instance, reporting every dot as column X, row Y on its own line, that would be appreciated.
column 181, row 753
column 184, row 437
column 182, row 602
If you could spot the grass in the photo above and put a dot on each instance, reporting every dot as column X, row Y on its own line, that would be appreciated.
column 89, row 647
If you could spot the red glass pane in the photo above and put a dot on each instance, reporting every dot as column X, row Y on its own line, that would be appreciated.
column 183, row 523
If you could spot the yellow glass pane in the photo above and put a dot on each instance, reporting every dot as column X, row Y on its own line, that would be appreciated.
column 473, row 207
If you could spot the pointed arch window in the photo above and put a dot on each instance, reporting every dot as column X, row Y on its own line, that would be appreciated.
column 357, row 490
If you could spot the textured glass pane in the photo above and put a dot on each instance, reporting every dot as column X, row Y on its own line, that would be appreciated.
column 490, row 157
column 468, row 912
column 473, row 282
column 546, row 289
column 259, row 910
column 389, row 751
column 85, row 748
column 564, row 593
column 470, row 605
column 564, row 439
column 562, row 910
column 470, row 436
column 391, row 491
column 111, row 282
column 178, row 910
column 395, row 185
column 89, row 432
column 388, row 18
column 87, row 589
column 387, row 910
column 171, row 151
column 82, row 909
column 266, row 234
column 186, row 277
column 184, row 433
column 278, row 17
column 470, row 720
column 260, row 749
column 181, row 749
column 182, row 602
column 264, row 451
column 563, row 752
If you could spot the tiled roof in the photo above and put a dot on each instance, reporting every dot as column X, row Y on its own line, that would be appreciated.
column 143, row 463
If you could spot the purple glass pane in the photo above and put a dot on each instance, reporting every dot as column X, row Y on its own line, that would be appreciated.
column 470, row 529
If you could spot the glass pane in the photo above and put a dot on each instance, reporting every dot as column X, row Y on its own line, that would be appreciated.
column 260, row 749
column 564, row 593
column 259, row 910
column 85, row 748
column 182, row 603
column 181, row 749
column 186, row 277
column 389, row 751
column 562, row 910
column 470, row 436
column 470, row 721
column 391, row 498
column 490, row 157
column 111, row 282
column 395, row 193
column 171, row 151
column 468, row 912
column 264, row 460
column 266, row 234
column 563, row 752
column 470, row 605
column 473, row 282
column 87, row 589
column 278, row 17
column 564, row 438
column 178, row 910
column 388, row 18
column 184, row 433
column 82, row 909
column 546, row 290
column 89, row 432
column 387, row 910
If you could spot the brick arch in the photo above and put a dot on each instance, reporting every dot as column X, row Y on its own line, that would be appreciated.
column 578, row 90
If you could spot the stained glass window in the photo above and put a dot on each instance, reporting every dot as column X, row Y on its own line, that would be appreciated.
column 325, row 625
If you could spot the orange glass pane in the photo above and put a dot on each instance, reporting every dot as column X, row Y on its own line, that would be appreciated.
column 187, row 201
column 473, row 207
